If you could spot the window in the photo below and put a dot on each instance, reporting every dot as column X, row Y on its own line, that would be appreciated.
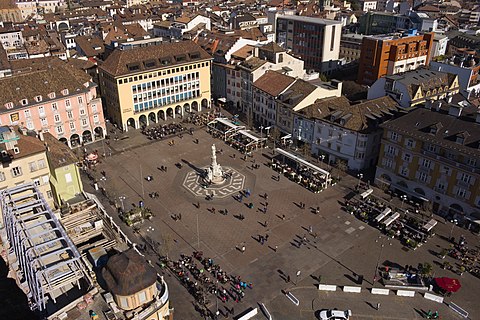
column 80, row 99
column 404, row 171
column 394, row 136
column 142, row 297
column 27, row 113
column 388, row 163
column 446, row 170
column 36, row 182
column 59, row 129
column 41, row 110
column 82, row 112
column 44, row 122
column 16, row 172
column 407, row 157
column 441, row 186
column 391, row 150
column 49, row 194
column 461, row 192
column 123, row 302
column 410, row 143
column 70, row 114
column 423, row 176
column 432, row 148
column 32, row 166
column 72, row 125
column 41, row 164
column 84, row 122
column 67, row 103
column 56, row 118
column 54, row 107
column 2, row 176
column 45, row 179
column 95, row 118
column 426, row 163
column 94, row 107
column 466, row 178
column 472, row 162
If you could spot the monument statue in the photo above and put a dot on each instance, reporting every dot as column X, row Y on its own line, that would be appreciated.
column 215, row 172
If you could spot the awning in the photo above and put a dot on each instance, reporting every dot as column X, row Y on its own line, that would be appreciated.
column 390, row 220
column 409, row 192
column 430, row 224
column 382, row 215
column 302, row 161
column 288, row 136
column 366, row 193
column 448, row 284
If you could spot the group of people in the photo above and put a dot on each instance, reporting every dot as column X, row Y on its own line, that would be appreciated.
column 309, row 179
column 161, row 131
column 202, row 276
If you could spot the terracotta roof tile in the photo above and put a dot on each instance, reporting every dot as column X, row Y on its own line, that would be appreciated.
column 273, row 82
column 119, row 61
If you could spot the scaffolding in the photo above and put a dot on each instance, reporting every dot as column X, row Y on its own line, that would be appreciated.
column 46, row 261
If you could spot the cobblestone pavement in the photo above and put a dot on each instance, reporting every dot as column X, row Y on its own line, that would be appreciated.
column 343, row 247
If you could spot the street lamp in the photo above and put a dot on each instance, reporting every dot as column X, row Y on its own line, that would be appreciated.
column 121, row 198
column 360, row 177
column 296, row 278
column 382, row 245
column 261, row 131
column 322, row 157
column 454, row 223
column 403, row 197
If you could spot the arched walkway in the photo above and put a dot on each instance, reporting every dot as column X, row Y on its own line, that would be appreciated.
column 87, row 136
column 98, row 133
column 195, row 105
column 456, row 208
column 419, row 191
column 152, row 117
column 161, row 115
column 386, row 178
column 178, row 111
column 403, row 184
column 186, row 107
column 64, row 140
column 204, row 103
column 170, row 113
column 143, row 120
column 131, row 123
column 75, row 140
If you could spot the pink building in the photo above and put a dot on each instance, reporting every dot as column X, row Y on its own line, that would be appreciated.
column 59, row 99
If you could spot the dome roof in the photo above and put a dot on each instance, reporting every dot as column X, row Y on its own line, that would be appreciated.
column 128, row 273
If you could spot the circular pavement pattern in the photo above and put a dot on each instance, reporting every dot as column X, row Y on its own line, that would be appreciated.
column 194, row 183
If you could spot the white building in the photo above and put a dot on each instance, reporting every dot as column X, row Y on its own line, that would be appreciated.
column 439, row 47
column 343, row 132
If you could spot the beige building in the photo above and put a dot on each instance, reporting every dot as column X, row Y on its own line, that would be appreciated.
column 146, row 85
column 134, row 285
column 24, row 160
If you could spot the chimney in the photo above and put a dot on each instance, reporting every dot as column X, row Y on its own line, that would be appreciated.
column 40, row 136
column 455, row 110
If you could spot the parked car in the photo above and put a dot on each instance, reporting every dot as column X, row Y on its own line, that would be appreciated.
column 334, row 315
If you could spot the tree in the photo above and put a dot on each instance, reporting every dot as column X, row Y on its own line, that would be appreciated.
column 342, row 165
column 306, row 150
column 427, row 269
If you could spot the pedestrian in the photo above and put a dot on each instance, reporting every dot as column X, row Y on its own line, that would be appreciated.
column 275, row 249
column 288, row 279
column 266, row 224
column 283, row 217
column 179, row 216
column 234, row 155
column 198, row 204
column 278, row 178
column 165, row 168
column 310, row 229
column 378, row 306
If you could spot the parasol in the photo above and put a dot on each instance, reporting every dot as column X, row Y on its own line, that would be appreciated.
column 448, row 284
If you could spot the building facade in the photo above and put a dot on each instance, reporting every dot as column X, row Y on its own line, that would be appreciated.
column 432, row 155
column 59, row 99
column 24, row 160
column 416, row 87
column 387, row 55
column 149, row 84
column 338, row 131
column 315, row 40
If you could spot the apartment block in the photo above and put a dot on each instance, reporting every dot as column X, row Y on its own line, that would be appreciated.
column 146, row 85
column 393, row 54
column 315, row 40
column 432, row 155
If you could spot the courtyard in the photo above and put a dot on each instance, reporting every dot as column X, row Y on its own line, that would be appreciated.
column 302, row 245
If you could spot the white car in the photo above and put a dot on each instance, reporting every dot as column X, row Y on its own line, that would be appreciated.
column 334, row 315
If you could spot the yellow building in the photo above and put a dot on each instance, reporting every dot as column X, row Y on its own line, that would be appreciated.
column 24, row 160
column 432, row 155
column 146, row 85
